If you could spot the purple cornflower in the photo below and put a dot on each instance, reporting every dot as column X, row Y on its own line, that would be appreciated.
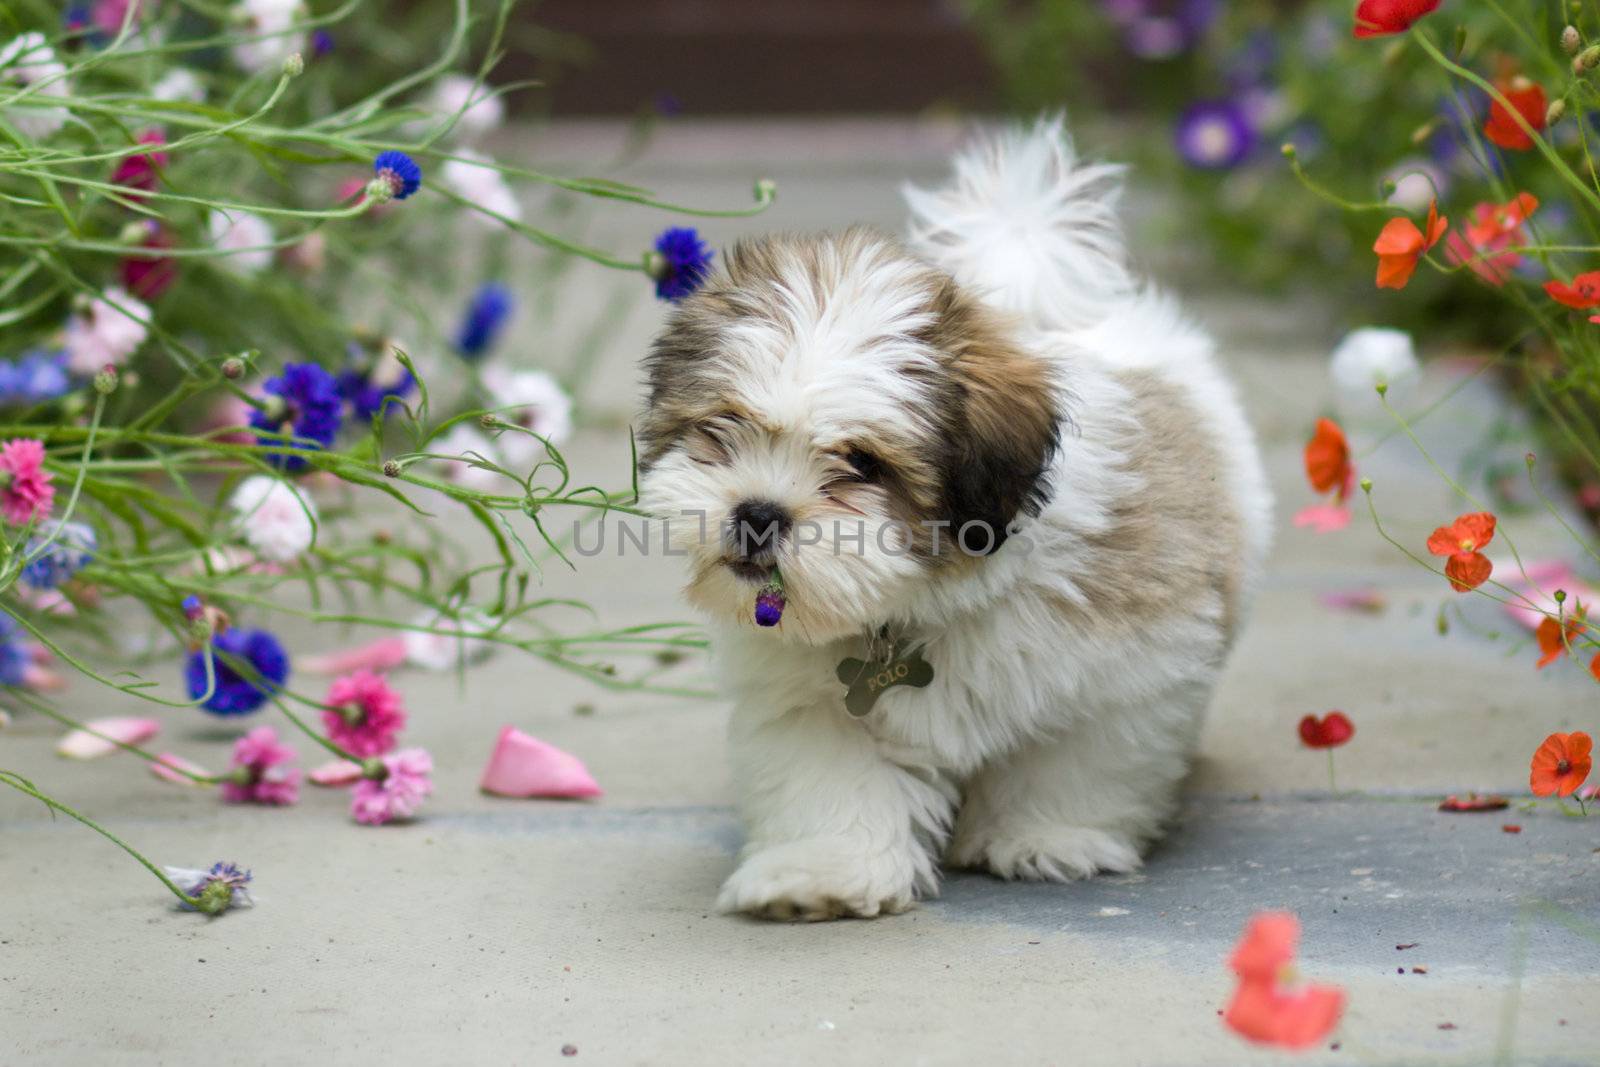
column 769, row 605
column 367, row 381
column 72, row 550
column 1161, row 29
column 34, row 378
column 321, row 42
column 680, row 263
column 491, row 306
column 303, row 403
column 15, row 657
column 1214, row 135
column 234, row 694
column 224, row 886
column 399, row 172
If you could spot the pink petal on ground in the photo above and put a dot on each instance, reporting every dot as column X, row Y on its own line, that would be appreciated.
column 1547, row 575
column 1369, row 601
column 81, row 744
column 163, row 768
column 384, row 654
column 339, row 772
column 1323, row 518
column 42, row 679
column 524, row 766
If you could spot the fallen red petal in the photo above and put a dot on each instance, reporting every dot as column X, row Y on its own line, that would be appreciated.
column 1475, row 802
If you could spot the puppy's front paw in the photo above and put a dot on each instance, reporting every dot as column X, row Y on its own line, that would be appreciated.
column 1045, row 853
column 817, row 880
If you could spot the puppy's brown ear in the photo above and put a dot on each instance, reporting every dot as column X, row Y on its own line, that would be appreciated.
column 1003, row 426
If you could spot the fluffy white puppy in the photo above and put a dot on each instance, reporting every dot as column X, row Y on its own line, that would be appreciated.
column 1017, row 515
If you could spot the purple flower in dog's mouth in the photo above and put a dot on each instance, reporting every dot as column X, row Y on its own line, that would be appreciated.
column 769, row 604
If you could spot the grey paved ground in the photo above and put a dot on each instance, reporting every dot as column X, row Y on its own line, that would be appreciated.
column 499, row 931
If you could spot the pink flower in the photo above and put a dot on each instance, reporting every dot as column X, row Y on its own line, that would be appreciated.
column 150, row 273
column 369, row 714
column 25, row 489
column 524, row 766
column 257, row 775
column 399, row 793
column 140, row 173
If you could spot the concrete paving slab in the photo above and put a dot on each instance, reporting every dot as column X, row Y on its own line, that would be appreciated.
column 500, row 931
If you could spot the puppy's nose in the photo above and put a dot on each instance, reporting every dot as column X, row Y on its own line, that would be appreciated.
column 757, row 527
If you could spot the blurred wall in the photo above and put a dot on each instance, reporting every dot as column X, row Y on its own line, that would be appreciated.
column 732, row 57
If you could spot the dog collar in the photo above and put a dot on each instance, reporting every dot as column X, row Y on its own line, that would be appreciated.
column 888, row 661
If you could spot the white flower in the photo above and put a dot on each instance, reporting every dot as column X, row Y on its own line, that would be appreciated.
column 1416, row 183
column 483, row 112
column 276, row 520
column 1366, row 357
column 107, row 331
column 442, row 651
column 25, row 61
column 271, row 17
column 236, row 230
column 179, row 83
column 536, row 402
column 463, row 439
column 482, row 185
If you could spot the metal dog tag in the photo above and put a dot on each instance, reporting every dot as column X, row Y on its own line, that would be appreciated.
column 865, row 680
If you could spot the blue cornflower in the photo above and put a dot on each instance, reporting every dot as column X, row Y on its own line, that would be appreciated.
column 234, row 694
column 15, row 658
column 321, row 42
column 681, row 263
column 35, row 378
column 399, row 171
column 303, row 401
column 72, row 550
column 490, row 308
column 365, row 396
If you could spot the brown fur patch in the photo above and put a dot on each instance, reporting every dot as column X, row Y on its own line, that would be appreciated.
column 1175, row 541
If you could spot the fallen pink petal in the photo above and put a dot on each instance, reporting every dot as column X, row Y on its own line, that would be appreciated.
column 82, row 744
column 1365, row 601
column 386, row 653
column 340, row 772
column 168, row 765
column 524, row 766
column 1532, row 598
column 1323, row 518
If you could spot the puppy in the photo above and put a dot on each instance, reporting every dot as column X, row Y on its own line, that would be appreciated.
column 1016, row 516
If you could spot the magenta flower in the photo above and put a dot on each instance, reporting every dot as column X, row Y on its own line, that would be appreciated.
column 257, row 774
column 25, row 489
column 397, row 792
column 142, row 172
column 369, row 714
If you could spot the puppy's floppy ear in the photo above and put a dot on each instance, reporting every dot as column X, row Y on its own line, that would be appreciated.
column 1001, row 421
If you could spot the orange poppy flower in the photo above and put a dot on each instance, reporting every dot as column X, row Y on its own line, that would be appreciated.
column 1560, row 765
column 1584, row 292
column 1467, row 568
column 1527, row 99
column 1400, row 245
column 1554, row 637
column 1263, row 1009
column 1328, row 459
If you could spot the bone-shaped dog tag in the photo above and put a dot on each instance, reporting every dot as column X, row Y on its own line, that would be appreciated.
column 865, row 681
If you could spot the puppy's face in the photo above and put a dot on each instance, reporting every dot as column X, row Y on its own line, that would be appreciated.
column 836, row 408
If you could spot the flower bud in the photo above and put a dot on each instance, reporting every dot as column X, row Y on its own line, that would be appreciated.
column 294, row 65
column 1552, row 115
column 1571, row 40
column 1382, row 388
column 1366, row 485
column 489, row 420
column 1588, row 59
column 105, row 382
column 233, row 368
column 380, row 191
column 1288, row 149
column 134, row 233
column 1561, row 596
column 655, row 264
column 1386, row 188
column 766, row 190
column 391, row 468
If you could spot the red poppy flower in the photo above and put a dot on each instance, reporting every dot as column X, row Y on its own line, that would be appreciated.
column 1584, row 292
column 1263, row 1009
column 1331, row 731
column 1475, row 802
column 1490, row 228
column 1467, row 568
column 1328, row 459
column 1560, row 765
column 1527, row 98
column 1400, row 245
column 1381, row 18
column 1554, row 637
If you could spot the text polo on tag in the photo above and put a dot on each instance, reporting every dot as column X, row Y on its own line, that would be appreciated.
column 866, row 681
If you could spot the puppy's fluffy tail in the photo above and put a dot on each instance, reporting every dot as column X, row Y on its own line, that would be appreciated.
column 1023, row 221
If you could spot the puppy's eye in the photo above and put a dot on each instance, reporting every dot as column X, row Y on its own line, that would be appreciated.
column 866, row 466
